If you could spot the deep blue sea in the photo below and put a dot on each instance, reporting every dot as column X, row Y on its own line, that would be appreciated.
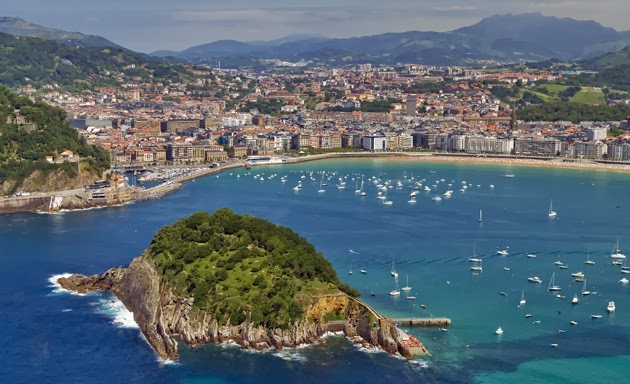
column 52, row 336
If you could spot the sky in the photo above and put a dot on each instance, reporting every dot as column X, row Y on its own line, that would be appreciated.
column 150, row 25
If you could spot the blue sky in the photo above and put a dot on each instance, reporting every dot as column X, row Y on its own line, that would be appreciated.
column 149, row 25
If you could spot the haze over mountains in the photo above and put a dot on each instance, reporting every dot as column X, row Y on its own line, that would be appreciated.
column 504, row 38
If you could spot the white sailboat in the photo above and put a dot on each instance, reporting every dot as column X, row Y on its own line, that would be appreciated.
column 393, row 271
column 406, row 287
column 522, row 302
column 361, row 192
column 552, row 285
column 395, row 292
column 552, row 214
column 584, row 291
column 616, row 252
column 385, row 201
column 480, row 216
column 588, row 259
column 499, row 331
column 321, row 186
column 477, row 267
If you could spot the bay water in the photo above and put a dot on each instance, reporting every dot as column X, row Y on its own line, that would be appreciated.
column 53, row 336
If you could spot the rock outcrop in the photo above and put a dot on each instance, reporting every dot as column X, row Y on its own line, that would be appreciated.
column 162, row 316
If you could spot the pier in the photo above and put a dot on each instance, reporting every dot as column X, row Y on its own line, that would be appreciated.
column 422, row 322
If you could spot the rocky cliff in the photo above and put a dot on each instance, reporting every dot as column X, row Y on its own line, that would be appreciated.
column 165, row 317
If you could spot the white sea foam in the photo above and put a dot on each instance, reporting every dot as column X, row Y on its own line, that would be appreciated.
column 66, row 310
column 290, row 355
column 57, row 288
column 419, row 363
column 116, row 310
column 167, row 361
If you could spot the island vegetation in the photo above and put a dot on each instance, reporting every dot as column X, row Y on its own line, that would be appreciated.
column 241, row 268
column 31, row 131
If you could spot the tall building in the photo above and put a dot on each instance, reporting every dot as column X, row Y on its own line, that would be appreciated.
column 412, row 105
column 596, row 134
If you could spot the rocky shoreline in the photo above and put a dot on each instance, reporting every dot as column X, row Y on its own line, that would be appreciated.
column 164, row 318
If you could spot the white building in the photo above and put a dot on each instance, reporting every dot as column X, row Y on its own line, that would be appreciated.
column 374, row 143
column 596, row 134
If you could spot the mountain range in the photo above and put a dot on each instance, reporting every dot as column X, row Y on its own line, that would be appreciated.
column 19, row 27
column 499, row 38
column 521, row 37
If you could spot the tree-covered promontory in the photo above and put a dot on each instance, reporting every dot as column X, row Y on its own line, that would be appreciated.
column 31, row 131
column 242, row 268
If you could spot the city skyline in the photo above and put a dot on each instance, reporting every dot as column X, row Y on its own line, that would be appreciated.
column 148, row 26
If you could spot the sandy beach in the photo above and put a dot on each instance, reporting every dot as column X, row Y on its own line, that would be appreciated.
column 474, row 159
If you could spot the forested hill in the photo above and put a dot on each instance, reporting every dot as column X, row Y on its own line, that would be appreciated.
column 31, row 131
column 242, row 268
column 29, row 60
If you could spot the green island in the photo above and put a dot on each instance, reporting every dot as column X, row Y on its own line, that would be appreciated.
column 29, row 132
column 228, row 277
column 243, row 268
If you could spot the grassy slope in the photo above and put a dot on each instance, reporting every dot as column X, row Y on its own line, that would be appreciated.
column 589, row 95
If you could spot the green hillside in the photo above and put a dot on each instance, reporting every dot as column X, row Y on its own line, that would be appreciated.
column 29, row 132
column 27, row 60
column 239, row 267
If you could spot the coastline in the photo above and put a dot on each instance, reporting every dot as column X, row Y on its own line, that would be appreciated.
column 432, row 157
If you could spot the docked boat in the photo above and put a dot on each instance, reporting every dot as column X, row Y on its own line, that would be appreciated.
column 611, row 307
column 578, row 274
column 616, row 252
column 552, row 214
column 558, row 262
column 476, row 267
column 552, row 285
column 534, row 279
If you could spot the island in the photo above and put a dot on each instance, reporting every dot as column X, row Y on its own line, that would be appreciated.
column 221, row 277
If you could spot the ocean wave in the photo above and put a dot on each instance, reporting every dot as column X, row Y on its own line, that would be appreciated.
column 116, row 310
column 419, row 363
column 57, row 288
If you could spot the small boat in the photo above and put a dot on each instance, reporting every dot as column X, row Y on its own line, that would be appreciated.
column 363, row 271
column 410, row 297
column 616, row 252
column 503, row 252
column 552, row 286
column 509, row 175
column 372, row 294
column 474, row 260
column 558, row 262
column 596, row 316
column 617, row 262
column 575, row 299
column 611, row 307
column 561, row 296
column 584, row 291
column 406, row 287
column 499, row 331
column 624, row 281
column 480, row 216
column 577, row 274
column 395, row 292
column 553, row 345
column 393, row 271
column 573, row 322
column 423, row 306
column 436, row 198
column 506, row 269
column 588, row 259
column 536, row 322
column 502, row 293
column 476, row 267
column 534, row 279
column 443, row 330
column 531, row 255
column 552, row 214
column 561, row 331
column 563, row 267
column 528, row 315
column 522, row 302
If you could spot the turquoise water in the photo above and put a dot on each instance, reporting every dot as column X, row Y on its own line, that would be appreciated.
column 58, row 337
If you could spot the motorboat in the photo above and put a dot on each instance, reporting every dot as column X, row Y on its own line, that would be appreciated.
column 573, row 322
column 531, row 255
column 534, row 279
column 499, row 331
column 624, row 281
column 575, row 299
column 558, row 262
column 522, row 302
column 503, row 252
column 410, row 297
column 596, row 316
column 507, row 269
column 577, row 274
column 611, row 307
